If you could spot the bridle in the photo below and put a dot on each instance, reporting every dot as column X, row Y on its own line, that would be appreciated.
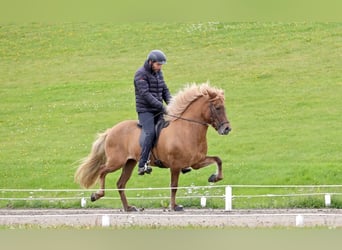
column 213, row 113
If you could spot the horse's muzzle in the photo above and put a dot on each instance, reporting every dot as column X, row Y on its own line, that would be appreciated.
column 224, row 129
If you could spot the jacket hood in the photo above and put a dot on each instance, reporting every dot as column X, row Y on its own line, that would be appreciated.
column 148, row 67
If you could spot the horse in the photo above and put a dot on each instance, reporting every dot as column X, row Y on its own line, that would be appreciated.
column 181, row 144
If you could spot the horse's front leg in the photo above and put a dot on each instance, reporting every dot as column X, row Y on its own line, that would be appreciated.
column 174, row 186
column 208, row 160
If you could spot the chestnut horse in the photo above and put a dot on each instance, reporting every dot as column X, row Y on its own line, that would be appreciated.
column 181, row 144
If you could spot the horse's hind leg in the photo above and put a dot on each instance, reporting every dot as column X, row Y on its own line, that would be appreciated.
column 108, row 168
column 121, row 184
column 100, row 193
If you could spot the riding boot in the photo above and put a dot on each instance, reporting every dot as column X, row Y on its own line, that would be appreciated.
column 143, row 166
column 144, row 169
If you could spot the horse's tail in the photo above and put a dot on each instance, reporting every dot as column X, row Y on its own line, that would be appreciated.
column 88, row 172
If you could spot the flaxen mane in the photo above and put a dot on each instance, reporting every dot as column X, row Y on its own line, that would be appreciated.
column 190, row 93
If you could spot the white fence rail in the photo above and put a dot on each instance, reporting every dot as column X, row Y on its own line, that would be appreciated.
column 202, row 193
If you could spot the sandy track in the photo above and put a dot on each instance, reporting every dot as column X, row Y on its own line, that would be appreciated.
column 190, row 217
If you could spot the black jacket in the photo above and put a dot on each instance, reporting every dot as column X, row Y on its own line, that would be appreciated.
column 150, row 90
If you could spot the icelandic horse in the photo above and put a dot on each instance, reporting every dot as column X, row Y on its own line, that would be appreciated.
column 181, row 144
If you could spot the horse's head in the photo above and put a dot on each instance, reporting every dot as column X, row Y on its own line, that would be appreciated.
column 212, row 98
column 217, row 113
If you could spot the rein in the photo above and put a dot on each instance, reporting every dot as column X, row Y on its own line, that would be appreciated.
column 189, row 120
column 213, row 112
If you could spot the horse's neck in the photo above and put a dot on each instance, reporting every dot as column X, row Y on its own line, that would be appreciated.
column 195, row 111
column 189, row 131
column 194, row 119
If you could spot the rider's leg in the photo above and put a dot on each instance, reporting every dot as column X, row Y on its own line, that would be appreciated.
column 146, row 119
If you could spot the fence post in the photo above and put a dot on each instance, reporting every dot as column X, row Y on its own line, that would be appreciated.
column 105, row 221
column 327, row 200
column 229, row 198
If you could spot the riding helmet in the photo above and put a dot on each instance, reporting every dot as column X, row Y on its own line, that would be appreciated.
column 157, row 56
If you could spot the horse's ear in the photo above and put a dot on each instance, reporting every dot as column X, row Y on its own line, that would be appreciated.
column 216, row 95
column 212, row 95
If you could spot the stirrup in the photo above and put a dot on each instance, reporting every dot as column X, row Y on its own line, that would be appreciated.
column 145, row 169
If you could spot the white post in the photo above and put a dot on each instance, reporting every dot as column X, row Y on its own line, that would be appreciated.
column 83, row 202
column 229, row 198
column 105, row 221
column 327, row 200
column 203, row 201
column 299, row 220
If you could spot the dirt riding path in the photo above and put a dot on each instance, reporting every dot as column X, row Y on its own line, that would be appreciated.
column 190, row 217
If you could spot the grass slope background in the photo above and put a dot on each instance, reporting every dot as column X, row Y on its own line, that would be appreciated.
column 60, row 84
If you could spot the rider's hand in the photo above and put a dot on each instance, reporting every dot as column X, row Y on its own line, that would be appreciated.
column 163, row 110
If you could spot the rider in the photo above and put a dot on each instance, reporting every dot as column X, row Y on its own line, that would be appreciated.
column 150, row 92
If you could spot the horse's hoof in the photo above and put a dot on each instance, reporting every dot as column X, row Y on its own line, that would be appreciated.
column 179, row 208
column 186, row 170
column 212, row 178
column 93, row 197
column 131, row 209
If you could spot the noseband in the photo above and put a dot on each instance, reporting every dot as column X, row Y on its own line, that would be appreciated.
column 215, row 116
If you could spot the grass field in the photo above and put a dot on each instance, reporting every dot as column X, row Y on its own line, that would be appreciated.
column 61, row 84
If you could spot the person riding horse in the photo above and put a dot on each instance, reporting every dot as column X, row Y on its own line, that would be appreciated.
column 150, row 92
column 183, row 143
